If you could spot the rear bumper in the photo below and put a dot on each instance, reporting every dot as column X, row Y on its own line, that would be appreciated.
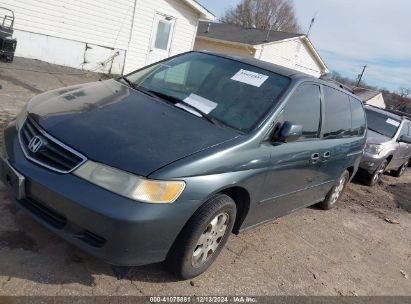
column 117, row 230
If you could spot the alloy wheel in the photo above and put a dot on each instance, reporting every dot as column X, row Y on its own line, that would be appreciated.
column 210, row 239
column 403, row 167
column 338, row 190
column 379, row 172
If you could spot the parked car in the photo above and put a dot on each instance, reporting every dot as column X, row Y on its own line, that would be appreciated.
column 388, row 144
column 164, row 163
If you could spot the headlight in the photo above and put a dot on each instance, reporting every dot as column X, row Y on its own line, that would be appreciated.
column 373, row 148
column 129, row 185
column 21, row 117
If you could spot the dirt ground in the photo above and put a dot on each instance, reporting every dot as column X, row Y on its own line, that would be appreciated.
column 362, row 247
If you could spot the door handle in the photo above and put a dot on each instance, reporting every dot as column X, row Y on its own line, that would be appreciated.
column 315, row 157
column 326, row 155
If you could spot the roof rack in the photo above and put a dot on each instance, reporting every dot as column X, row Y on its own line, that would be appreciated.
column 326, row 77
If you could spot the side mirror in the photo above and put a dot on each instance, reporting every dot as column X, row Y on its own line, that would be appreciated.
column 289, row 132
column 405, row 139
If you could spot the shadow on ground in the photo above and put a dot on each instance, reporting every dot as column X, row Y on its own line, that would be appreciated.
column 40, row 256
column 402, row 195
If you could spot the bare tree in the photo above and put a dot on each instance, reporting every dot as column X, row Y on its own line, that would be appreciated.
column 278, row 15
column 404, row 92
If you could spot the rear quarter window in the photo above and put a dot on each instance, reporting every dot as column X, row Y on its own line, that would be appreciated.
column 337, row 114
column 357, row 117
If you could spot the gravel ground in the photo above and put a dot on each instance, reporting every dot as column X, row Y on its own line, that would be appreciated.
column 362, row 247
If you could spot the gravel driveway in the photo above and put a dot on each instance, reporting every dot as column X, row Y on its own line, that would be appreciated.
column 362, row 247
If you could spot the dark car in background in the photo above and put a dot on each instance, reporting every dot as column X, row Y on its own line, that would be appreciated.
column 164, row 163
column 388, row 144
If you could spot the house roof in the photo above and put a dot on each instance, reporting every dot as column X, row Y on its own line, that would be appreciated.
column 364, row 94
column 234, row 33
column 204, row 13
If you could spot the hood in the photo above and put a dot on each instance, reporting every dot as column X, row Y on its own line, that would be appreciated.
column 376, row 138
column 113, row 124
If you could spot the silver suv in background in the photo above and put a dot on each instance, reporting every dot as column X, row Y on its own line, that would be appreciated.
column 388, row 145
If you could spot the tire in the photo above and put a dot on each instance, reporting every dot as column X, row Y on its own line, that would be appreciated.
column 400, row 170
column 336, row 191
column 202, row 238
column 372, row 179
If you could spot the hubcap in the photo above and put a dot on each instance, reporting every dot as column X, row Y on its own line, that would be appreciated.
column 210, row 239
column 337, row 191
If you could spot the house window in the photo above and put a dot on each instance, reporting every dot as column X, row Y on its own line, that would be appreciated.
column 163, row 35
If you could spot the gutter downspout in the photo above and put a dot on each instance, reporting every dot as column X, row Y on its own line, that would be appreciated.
column 131, row 34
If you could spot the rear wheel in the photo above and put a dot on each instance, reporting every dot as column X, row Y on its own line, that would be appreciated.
column 202, row 238
column 401, row 169
column 372, row 179
column 335, row 193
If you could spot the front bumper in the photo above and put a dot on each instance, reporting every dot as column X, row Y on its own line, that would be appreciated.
column 370, row 162
column 117, row 230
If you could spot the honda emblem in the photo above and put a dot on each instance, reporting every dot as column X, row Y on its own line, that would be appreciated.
column 35, row 144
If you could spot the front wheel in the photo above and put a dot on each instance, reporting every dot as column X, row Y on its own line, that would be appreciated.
column 202, row 239
column 375, row 177
column 335, row 193
column 401, row 170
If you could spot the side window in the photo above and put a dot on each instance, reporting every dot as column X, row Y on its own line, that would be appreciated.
column 337, row 114
column 304, row 108
column 409, row 129
column 357, row 117
column 404, row 130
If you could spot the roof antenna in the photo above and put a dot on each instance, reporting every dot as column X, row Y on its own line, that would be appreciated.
column 208, row 27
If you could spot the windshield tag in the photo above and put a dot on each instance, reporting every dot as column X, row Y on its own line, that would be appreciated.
column 392, row 122
column 250, row 78
column 202, row 104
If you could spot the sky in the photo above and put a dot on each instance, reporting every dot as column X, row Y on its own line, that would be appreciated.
column 351, row 33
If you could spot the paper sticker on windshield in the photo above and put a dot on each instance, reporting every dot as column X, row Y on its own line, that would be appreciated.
column 392, row 122
column 250, row 78
column 200, row 103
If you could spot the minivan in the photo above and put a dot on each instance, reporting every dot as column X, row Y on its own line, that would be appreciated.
column 163, row 164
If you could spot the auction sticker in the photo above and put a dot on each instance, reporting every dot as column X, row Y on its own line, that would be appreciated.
column 250, row 78
column 392, row 122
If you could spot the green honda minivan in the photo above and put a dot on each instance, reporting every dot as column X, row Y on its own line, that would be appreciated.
column 165, row 163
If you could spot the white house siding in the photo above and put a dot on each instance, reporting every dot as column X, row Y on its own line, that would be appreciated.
column 219, row 47
column 186, row 21
column 377, row 101
column 63, row 31
column 292, row 54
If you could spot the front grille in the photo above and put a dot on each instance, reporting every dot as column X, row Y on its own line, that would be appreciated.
column 50, row 152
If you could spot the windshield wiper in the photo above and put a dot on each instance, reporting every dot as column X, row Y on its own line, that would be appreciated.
column 137, row 87
column 175, row 100
column 376, row 131
column 131, row 84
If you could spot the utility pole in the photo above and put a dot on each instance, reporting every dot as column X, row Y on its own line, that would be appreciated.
column 311, row 24
column 360, row 76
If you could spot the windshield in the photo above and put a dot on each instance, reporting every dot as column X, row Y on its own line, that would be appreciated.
column 233, row 93
column 381, row 123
